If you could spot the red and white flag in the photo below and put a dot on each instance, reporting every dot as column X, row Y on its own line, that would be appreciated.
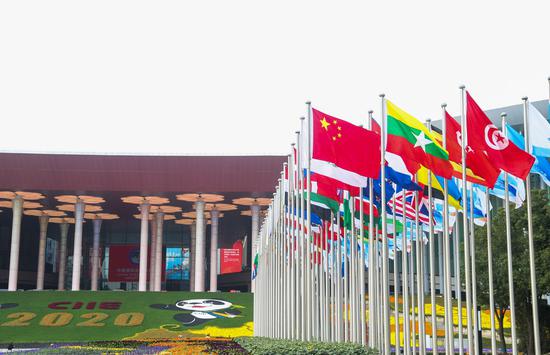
column 484, row 135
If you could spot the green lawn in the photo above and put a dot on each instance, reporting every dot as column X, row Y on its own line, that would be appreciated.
column 32, row 320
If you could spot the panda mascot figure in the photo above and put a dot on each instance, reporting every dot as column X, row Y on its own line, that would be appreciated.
column 198, row 311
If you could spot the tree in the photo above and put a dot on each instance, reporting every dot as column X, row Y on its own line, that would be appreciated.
column 520, row 254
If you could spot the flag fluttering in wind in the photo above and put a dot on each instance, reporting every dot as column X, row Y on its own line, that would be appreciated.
column 479, row 169
column 410, row 139
column 539, row 133
column 541, row 166
column 344, row 151
column 483, row 135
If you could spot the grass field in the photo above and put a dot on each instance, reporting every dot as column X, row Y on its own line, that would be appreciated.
column 52, row 316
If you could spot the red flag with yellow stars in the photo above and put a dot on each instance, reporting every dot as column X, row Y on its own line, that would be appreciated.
column 344, row 151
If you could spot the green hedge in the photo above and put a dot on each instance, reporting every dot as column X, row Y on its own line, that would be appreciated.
column 267, row 346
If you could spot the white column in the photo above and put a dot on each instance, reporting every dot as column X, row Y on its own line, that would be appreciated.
column 17, row 206
column 77, row 251
column 193, row 247
column 200, row 247
column 214, row 251
column 142, row 285
column 158, row 251
column 153, row 254
column 255, row 209
column 95, row 254
column 62, row 255
column 42, row 252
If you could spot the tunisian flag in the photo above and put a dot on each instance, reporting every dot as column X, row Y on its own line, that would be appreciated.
column 344, row 151
column 484, row 135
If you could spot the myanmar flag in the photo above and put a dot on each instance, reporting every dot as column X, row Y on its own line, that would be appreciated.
column 413, row 141
column 344, row 151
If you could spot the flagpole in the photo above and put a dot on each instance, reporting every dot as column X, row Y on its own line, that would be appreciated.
column 300, row 235
column 466, row 237
column 346, row 284
column 353, row 276
column 333, row 314
column 405, row 283
column 412, row 280
column 385, row 276
column 509, row 254
column 431, row 251
column 328, row 319
column 294, row 313
column 458, row 286
column 532, row 270
column 490, row 272
column 475, row 322
column 395, row 283
column 308, row 176
column 449, row 328
column 371, row 327
column 362, row 270
column 420, row 278
column 340, row 283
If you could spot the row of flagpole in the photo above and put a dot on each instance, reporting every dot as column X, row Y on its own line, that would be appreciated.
column 316, row 285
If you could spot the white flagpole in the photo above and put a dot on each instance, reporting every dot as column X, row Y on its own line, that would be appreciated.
column 509, row 255
column 458, row 287
column 532, row 270
column 333, row 280
column 467, row 271
column 474, row 276
column 294, row 314
column 300, row 235
column 395, row 281
column 449, row 329
column 326, row 309
column 412, row 285
column 405, row 285
column 362, row 268
column 432, row 257
column 372, row 248
column 353, row 274
column 490, row 272
column 308, row 189
column 420, row 277
column 339, row 283
column 346, row 284
column 385, row 274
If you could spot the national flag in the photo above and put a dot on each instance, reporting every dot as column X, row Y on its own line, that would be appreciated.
column 483, row 135
column 539, row 133
column 344, row 151
column 479, row 169
column 453, row 194
column 410, row 139
column 255, row 267
column 516, row 189
column 541, row 166
column 326, row 191
column 405, row 203
column 396, row 172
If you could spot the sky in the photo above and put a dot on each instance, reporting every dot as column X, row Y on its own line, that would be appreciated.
column 232, row 77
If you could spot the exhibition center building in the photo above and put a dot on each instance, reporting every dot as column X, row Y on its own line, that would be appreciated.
column 124, row 222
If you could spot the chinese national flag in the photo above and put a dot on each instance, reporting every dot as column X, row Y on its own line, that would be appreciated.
column 483, row 135
column 476, row 160
column 344, row 151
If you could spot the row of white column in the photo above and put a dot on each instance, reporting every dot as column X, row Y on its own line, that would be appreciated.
column 17, row 207
column 198, row 248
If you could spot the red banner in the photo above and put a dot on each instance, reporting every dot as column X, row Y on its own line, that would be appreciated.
column 124, row 263
column 230, row 261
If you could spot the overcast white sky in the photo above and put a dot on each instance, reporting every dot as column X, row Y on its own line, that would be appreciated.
column 231, row 77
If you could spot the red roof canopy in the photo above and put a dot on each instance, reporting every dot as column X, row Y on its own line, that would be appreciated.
column 223, row 174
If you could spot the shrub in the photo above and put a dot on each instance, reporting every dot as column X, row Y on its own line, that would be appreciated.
column 267, row 346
